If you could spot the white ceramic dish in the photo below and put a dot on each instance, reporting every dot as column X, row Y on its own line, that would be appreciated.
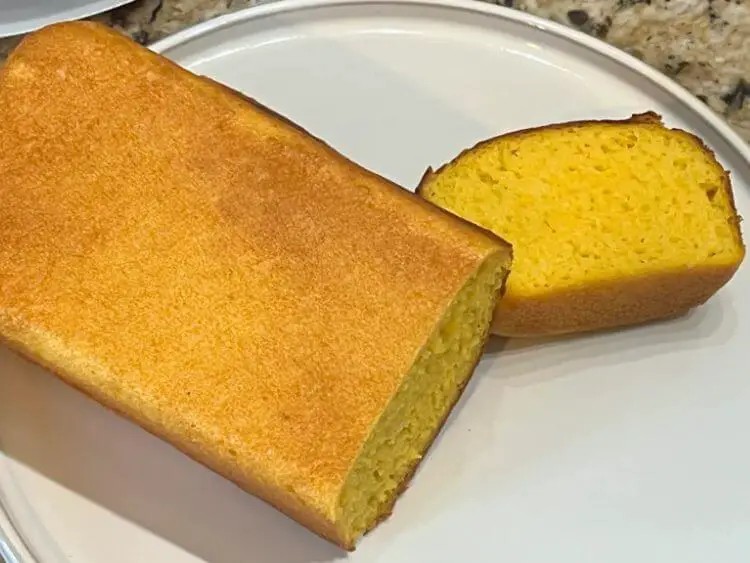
column 22, row 16
column 618, row 447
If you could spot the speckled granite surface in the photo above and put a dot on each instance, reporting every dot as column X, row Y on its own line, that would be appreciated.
column 703, row 44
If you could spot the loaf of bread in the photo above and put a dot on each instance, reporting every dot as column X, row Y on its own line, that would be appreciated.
column 613, row 223
column 230, row 283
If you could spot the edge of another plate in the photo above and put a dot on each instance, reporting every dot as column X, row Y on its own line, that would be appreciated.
column 89, row 9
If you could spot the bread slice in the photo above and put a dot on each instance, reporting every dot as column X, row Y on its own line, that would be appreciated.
column 613, row 223
column 227, row 281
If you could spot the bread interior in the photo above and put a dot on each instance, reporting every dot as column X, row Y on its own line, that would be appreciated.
column 594, row 202
column 416, row 412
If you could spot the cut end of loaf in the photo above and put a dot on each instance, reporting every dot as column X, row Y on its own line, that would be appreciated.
column 589, row 204
column 417, row 411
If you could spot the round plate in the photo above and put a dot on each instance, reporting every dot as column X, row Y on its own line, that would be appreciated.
column 22, row 16
column 619, row 447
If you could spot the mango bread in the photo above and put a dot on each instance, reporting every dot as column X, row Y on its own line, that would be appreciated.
column 613, row 223
column 230, row 283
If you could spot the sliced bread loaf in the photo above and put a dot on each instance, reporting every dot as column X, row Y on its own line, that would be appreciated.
column 613, row 222
column 229, row 282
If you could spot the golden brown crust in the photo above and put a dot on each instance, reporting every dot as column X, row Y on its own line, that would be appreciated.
column 288, row 506
column 202, row 267
column 607, row 305
column 619, row 302
column 338, row 156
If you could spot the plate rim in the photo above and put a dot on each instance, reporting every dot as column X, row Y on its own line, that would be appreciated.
column 711, row 119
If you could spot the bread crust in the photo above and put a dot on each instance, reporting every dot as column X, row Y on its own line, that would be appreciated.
column 612, row 304
column 615, row 303
column 171, row 288
column 318, row 524
column 338, row 156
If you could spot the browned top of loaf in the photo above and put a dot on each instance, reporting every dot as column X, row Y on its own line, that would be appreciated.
column 202, row 263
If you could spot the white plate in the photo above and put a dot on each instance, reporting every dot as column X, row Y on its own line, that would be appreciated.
column 22, row 16
column 620, row 447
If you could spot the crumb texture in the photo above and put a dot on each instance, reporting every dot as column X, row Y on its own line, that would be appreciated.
column 591, row 204
column 411, row 420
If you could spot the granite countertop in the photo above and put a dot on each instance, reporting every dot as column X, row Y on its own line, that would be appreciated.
column 703, row 44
